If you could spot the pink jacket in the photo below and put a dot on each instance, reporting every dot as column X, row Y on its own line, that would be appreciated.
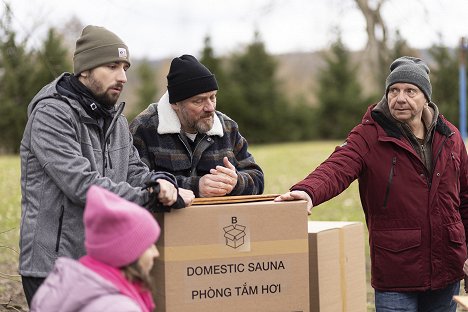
column 73, row 287
column 417, row 219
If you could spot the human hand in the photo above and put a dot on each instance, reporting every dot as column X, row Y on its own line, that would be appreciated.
column 219, row 182
column 465, row 267
column 187, row 196
column 167, row 192
column 295, row 195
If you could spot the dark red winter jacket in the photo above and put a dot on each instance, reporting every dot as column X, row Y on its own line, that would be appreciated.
column 417, row 220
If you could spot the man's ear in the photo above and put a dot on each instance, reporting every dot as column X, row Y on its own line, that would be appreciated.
column 175, row 106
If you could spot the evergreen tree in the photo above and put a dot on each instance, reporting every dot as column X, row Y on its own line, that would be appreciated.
column 213, row 63
column 52, row 60
column 341, row 104
column 147, row 89
column 445, row 84
column 228, row 96
column 262, row 109
column 15, row 85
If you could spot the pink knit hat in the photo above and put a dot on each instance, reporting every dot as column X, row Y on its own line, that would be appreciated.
column 117, row 231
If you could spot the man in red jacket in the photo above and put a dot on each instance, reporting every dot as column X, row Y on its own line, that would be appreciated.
column 411, row 164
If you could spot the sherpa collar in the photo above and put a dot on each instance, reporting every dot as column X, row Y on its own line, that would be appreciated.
column 169, row 122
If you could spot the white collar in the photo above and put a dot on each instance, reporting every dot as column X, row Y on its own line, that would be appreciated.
column 169, row 122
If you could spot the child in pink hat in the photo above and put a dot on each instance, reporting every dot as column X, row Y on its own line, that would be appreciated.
column 120, row 241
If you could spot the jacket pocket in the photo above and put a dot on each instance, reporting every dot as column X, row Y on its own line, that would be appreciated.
column 59, row 231
column 397, row 258
column 455, row 253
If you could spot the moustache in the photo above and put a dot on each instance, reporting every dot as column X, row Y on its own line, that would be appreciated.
column 118, row 85
column 207, row 115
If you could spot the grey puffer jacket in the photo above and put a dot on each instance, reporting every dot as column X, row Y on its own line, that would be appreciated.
column 63, row 152
column 72, row 287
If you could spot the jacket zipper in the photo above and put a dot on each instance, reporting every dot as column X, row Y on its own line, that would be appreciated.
column 59, row 232
column 192, row 168
column 389, row 184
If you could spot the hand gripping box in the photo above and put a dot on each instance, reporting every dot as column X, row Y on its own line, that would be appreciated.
column 337, row 266
column 233, row 257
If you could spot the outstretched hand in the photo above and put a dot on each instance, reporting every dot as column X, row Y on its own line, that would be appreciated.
column 296, row 195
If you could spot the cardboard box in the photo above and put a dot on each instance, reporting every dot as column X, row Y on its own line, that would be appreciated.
column 337, row 266
column 233, row 257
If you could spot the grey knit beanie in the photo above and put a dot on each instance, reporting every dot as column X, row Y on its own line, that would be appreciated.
column 188, row 77
column 412, row 70
column 98, row 46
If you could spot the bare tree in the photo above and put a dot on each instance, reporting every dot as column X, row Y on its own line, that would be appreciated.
column 376, row 52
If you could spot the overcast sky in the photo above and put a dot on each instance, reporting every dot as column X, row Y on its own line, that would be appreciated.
column 167, row 28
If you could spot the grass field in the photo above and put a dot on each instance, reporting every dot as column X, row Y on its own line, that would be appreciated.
column 283, row 164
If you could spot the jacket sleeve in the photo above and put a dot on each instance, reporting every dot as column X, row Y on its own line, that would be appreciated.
column 55, row 143
column 463, row 185
column 112, row 303
column 337, row 172
column 250, row 178
column 139, row 141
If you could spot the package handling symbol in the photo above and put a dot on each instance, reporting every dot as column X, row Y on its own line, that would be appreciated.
column 234, row 235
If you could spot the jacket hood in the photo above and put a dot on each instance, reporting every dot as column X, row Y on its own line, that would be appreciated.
column 380, row 113
column 50, row 91
column 70, row 287
column 169, row 122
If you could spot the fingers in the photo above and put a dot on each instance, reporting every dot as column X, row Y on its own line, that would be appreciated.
column 227, row 164
column 296, row 195
column 221, row 180
column 187, row 196
column 465, row 267
column 285, row 197
column 211, row 186
column 167, row 192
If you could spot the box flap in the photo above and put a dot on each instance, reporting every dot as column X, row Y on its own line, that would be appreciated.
column 233, row 199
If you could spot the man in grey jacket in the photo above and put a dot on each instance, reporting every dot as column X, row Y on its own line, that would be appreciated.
column 76, row 137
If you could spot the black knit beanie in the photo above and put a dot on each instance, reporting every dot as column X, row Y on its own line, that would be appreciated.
column 188, row 77
column 412, row 70
column 98, row 46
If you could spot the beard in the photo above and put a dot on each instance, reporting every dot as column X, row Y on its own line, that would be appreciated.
column 202, row 124
column 103, row 97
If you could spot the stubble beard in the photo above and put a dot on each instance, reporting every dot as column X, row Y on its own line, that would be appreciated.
column 102, row 96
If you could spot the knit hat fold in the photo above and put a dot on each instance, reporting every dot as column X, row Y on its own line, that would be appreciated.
column 188, row 77
column 98, row 46
column 412, row 70
column 117, row 231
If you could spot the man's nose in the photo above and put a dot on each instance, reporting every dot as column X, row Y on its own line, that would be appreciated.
column 401, row 96
column 210, row 105
column 122, row 76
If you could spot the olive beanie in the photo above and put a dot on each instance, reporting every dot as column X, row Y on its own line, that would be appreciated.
column 98, row 46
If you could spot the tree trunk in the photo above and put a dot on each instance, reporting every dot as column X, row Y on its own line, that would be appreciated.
column 375, row 54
